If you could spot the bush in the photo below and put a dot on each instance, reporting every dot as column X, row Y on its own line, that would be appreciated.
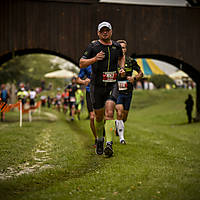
column 161, row 80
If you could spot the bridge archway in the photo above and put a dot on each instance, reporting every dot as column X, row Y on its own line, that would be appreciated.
column 187, row 68
column 48, row 54
column 8, row 56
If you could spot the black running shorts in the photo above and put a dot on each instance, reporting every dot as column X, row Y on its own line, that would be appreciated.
column 100, row 94
column 32, row 102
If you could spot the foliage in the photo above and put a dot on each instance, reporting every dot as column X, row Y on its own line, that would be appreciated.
column 12, row 70
column 29, row 69
column 161, row 80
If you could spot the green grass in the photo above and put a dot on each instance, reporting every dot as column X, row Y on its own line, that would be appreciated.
column 160, row 161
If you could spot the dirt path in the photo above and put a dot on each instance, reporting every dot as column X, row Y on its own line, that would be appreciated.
column 40, row 155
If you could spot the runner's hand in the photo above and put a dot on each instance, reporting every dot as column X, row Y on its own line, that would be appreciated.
column 86, row 81
column 130, row 79
column 122, row 72
column 100, row 56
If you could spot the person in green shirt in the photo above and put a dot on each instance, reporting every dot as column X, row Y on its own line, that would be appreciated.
column 79, row 96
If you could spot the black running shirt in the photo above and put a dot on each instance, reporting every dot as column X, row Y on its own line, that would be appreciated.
column 126, row 87
column 72, row 89
column 100, row 69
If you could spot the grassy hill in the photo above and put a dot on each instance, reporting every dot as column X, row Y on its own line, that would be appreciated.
column 52, row 158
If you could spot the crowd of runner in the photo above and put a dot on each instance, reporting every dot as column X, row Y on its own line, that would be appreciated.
column 70, row 100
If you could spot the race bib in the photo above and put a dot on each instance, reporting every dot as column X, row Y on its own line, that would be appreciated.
column 123, row 85
column 72, row 99
column 109, row 76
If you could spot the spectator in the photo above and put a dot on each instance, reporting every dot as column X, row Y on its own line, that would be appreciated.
column 189, row 107
column 4, row 95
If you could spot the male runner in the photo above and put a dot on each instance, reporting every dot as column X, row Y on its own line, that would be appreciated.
column 125, row 90
column 79, row 97
column 65, row 100
column 71, row 88
column 32, row 97
column 58, row 99
column 104, row 55
column 84, row 78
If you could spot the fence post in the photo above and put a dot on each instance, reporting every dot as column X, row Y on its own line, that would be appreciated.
column 20, row 113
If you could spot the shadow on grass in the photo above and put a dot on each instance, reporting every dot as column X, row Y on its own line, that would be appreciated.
column 184, row 124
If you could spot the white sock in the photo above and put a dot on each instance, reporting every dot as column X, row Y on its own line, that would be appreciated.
column 121, row 129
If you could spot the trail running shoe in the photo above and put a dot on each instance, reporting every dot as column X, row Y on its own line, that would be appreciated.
column 99, row 146
column 72, row 119
column 123, row 142
column 108, row 150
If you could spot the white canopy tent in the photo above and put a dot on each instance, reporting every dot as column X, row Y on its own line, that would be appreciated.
column 178, row 75
column 63, row 73
column 180, row 78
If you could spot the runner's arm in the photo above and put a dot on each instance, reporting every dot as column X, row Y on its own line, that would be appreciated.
column 121, row 64
column 88, row 58
column 139, row 75
column 137, row 68
column 83, row 63
column 89, row 61
column 83, row 82
column 135, row 78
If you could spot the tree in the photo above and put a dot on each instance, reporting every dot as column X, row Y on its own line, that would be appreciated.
column 27, row 68
column 161, row 80
column 31, row 69
column 11, row 71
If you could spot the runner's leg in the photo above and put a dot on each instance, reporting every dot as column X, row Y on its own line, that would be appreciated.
column 110, row 122
column 125, row 115
column 92, row 117
column 119, row 122
column 91, row 114
column 72, row 111
column 99, row 125
column 99, row 122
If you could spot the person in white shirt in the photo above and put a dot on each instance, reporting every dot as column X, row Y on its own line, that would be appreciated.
column 32, row 96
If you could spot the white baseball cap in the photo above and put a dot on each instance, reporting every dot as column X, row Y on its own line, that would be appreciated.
column 104, row 24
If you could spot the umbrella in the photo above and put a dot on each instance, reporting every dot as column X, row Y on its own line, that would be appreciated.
column 148, row 67
column 63, row 73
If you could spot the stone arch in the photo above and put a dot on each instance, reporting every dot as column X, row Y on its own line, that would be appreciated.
column 10, row 55
column 186, row 67
column 7, row 56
